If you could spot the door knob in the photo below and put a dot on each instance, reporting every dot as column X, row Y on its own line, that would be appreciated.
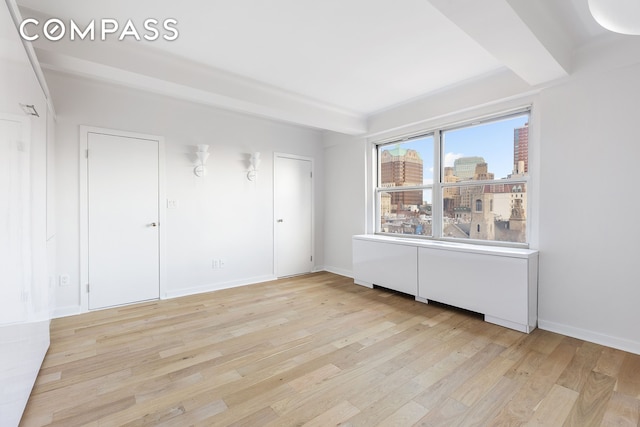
column 280, row 220
column 153, row 224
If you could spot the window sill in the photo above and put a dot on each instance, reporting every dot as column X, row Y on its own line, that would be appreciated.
column 451, row 246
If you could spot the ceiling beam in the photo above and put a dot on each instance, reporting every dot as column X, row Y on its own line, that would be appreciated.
column 154, row 71
column 514, row 33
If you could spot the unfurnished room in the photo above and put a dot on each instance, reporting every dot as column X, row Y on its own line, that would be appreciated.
column 286, row 213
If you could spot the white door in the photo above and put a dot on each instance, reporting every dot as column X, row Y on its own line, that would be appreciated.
column 293, row 215
column 123, row 237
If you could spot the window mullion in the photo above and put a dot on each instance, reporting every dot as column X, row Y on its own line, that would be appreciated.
column 436, row 207
column 377, row 211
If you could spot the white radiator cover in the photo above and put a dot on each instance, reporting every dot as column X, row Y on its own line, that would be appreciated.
column 501, row 283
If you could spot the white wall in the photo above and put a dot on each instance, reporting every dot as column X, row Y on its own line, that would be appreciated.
column 222, row 215
column 589, row 234
column 585, row 152
column 26, row 246
column 346, row 198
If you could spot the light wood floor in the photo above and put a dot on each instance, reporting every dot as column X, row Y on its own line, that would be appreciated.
column 318, row 350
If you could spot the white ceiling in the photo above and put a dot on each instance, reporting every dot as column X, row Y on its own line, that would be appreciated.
column 326, row 64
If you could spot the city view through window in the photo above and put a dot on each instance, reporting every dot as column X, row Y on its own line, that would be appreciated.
column 482, row 182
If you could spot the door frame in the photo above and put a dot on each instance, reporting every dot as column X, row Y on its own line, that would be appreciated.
column 84, row 208
column 275, row 208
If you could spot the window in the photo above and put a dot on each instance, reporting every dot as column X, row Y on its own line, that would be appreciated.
column 405, row 186
column 437, row 184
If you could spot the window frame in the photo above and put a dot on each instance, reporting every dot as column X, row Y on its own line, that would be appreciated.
column 438, row 187
column 379, row 189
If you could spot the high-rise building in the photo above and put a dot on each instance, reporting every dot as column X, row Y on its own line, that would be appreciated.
column 465, row 167
column 402, row 167
column 450, row 195
column 521, row 150
column 482, row 172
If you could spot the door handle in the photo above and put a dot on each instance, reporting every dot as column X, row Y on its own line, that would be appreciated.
column 153, row 224
column 280, row 220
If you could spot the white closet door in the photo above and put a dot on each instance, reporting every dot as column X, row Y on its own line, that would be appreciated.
column 123, row 215
column 293, row 206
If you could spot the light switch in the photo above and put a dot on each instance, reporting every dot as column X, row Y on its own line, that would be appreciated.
column 172, row 204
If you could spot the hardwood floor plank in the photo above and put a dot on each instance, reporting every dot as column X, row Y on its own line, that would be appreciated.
column 449, row 413
column 469, row 392
column 325, row 395
column 385, row 406
column 410, row 356
column 380, row 327
column 526, row 366
column 508, row 337
column 388, row 349
column 259, row 418
column 239, row 391
column 315, row 401
column 442, row 316
column 554, row 409
column 628, row 379
column 536, row 386
column 440, row 370
column 160, row 417
column 442, row 389
column 437, row 352
column 77, row 394
column 91, row 411
column 486, row 409
column 592, row 401
column 314, row 377
column 194, row 416
column 382, row 386
column 334, row 416
column 610, row 362
column 406, row 415
column 622, row 411
column 319, row 350
column 584, row 361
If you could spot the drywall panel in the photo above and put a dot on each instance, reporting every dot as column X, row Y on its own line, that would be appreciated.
column 219, row 227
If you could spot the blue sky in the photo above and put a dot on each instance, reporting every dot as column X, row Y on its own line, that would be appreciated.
column 493, row 141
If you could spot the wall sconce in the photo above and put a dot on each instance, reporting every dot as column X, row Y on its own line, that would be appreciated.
column 203, row 155
column 255, row 164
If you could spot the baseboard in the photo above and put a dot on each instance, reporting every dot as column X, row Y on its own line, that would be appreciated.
column 66, row 311
column 340, row 271
column 216, row 287
column 594, row 337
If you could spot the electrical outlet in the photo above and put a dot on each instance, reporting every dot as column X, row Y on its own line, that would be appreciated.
column 64, row 280
column 219, row 263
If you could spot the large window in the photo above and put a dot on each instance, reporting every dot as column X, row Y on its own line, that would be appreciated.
column 465, row 182
column 405, row 186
